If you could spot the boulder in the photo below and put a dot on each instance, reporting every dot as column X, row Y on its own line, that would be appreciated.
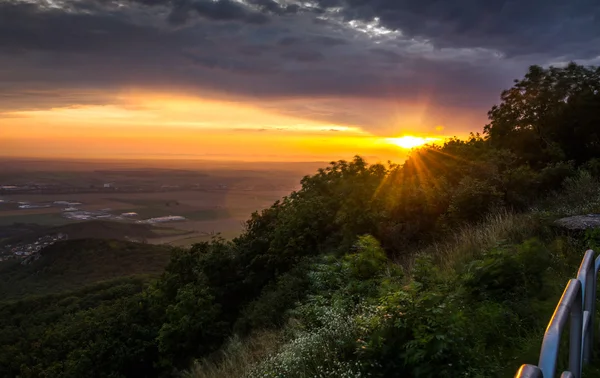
column 579, row 222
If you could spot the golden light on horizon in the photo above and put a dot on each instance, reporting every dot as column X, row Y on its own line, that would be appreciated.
column 176, row 127
column 151, row 125
column 409, row 141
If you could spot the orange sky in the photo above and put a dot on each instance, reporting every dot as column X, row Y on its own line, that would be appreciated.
column 167, row 126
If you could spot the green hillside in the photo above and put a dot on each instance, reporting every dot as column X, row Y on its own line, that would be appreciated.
column 67, row 265
column 38, row 333
column 97, row 229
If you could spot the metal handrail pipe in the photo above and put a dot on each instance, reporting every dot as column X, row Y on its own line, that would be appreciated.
column 578, row 302
column 570, row 305
column 529, row 371
column 585, row 330
column 587, row 276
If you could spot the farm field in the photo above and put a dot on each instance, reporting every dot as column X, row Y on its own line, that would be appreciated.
column 48, row 219
column 213, row 197
column 206, row 212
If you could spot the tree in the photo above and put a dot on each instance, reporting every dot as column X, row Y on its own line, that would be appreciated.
column 549, row 115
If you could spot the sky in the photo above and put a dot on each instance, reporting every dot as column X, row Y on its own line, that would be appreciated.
column 281, row 80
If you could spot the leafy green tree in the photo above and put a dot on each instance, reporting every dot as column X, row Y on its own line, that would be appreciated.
column 192, row 325
column 550, row 115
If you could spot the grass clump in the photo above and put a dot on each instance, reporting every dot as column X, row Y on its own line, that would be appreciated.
column 237, row 357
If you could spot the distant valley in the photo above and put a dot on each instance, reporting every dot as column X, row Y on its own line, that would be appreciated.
column 187, row 202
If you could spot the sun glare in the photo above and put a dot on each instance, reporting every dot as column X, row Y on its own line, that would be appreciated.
column 409, row 142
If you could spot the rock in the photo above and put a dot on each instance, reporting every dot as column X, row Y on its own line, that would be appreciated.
column 579, row 222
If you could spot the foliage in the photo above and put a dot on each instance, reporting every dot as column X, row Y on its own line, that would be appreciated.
column 318, row 352
column 472, row 200
column 268, row 310
column 549, row 115
column 592, row 238
column 76, row 333
column 506, row 271
column 69, row 264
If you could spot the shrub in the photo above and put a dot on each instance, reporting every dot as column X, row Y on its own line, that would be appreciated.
column 581, row 187
column 321, row 351
column 192, row 324
column 268, row 310
column 422, row 328
column 472, row 200
column 368, row 261
column 520, row 185
column 508, row 272
column 552, row 176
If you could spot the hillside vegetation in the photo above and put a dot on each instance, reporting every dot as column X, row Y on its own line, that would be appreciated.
column 96, row 229
column 445, row 266
column 67, row 265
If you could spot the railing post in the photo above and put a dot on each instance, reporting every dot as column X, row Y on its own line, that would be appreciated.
column 569, row 304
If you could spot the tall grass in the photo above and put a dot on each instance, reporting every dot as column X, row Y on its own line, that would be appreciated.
column 580, row 195
column 469, row 242
column 237, row 357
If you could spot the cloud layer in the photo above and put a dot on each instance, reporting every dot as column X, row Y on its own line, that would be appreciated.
column 357, row 62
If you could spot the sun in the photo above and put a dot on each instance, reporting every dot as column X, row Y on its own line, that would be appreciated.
column 409, row 142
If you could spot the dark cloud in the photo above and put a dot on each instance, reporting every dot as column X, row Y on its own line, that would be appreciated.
column 222, row 10
column 254, row 50
column 321, row 40
column 327, row 41
column 289, row 41
column 304, row 56
column 513, row 27
column 275, row 8
column 23, row 27
column 387, row 54
column 253, row 11
column 452, row 55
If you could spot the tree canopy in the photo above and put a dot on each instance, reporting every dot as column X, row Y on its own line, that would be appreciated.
column 550, row 115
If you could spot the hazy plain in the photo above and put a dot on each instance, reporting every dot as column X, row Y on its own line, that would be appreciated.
column 214, row 197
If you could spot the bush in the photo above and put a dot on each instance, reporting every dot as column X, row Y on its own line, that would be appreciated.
column 508, row 272
column 472, row 200
column 521, row 185
column 552, row 176
column 368, row 261
column 321, row 351
column 192, row 324
column 268, row 310
column 581, row 187
column 420, row 330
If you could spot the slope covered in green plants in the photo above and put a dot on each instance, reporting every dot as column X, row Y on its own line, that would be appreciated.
column 70, row 264
column 94, row 229
column 447, row 265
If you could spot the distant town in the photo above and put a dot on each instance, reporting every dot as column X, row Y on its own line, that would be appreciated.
column 29, row 251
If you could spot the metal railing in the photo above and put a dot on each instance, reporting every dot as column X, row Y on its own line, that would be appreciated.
column 578, row 302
